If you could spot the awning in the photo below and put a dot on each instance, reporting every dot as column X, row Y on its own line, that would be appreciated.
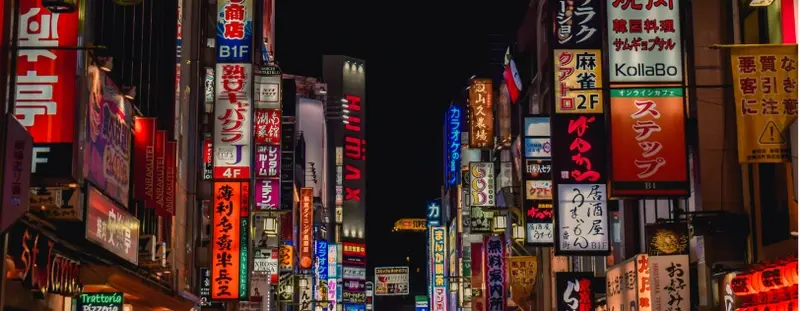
column 138, row 290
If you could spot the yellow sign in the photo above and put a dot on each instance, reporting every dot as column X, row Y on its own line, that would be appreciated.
column 765, row 91
column 523, row 279
column 578, row 81
column 410, row 224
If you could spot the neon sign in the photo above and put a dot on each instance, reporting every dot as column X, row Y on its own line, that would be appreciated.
column 453, row 144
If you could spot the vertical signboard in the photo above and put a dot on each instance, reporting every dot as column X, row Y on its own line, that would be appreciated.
column 538, row 181
column 355, row 154
column 439, row 283
column 170, row 175
column 523, row 274
column 205, row 287
column 287, row 163
column 46, row 79
column 306, row 227
column 226, row 257
column 496, row 276
column 648, row 143
column 208, row 86
column 208, row 156
column 306, row 292
column 321, row 255
column 453, row 146
column 268, row 196
column 765, row 93
column 268, row 161
column 577, row 25
column 481, row 114
column 268, row 88
column 644, row 41
column 16, row 173
column 234, row 31
column 481, row 184
column 267, row 126
column 144, row 158
column 670, row 284
column 478, row 257
column 232, row 121
column 643, row 294
column 159, row 175
column 582, row 219
column 578, row 81
column 574, row 291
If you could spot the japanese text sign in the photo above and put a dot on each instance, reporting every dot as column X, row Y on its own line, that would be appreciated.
column 268, row 161
column 439, row 284
column 268, row 194
column 108, row 132
column 642, row 289
column 538, row 180
column 111, row 227
column 578, row 24
column 285, row 258
column 481, row 114
column 481, row 184
column 234, row 31
column 644, row 41
column 453, row 145
column 629, row 285
column 225, row 250
column 208, row 156
column 670, row 283
column 306, row 227
column 539, row 222
column 306, row 292
column 523, row 273
column 578, row 81
column 765, row 92
column 321, row 255
column 46, row 79
column 232, row 121
column 582, row 220
column 496, row 266
column 16, row 173
column 391, row 281
column 579, row 148
column 574, row 291
column 267, row 126
column 615, row 285
column 268, row 92
column 648, row 145
column 667, row 238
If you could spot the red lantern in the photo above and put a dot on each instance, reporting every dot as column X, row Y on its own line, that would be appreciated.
column 742, row 285
column 790, row 273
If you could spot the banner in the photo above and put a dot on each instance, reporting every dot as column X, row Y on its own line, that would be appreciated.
column 111, row 227
column 523, row 280
column 648, row 143
column 439, row 283
column 644, row 41
column 496, row 274
column 170, row 175
column 232, row 120
column 765, row 92
column 267, row 126
column 391, row 281
column 481, row 184
column 228, row 280
column 234, row 31
column 578, row 80
column 108, row 132
column 574, row 291
column 144, row 159
column 481, row 115
column 160, row 175
column 306, row 227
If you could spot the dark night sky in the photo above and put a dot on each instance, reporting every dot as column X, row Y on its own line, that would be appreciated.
column 418, row 57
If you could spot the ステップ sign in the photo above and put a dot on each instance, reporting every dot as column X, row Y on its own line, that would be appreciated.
column 644, row 41
column 232, row 121
column 648, row 145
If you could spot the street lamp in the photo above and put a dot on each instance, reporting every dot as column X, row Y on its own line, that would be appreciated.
column 499, row 223
column 271, row 226
column 518, row 232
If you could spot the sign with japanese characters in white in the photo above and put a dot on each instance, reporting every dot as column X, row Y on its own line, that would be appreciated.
column 268, row 92
column 628, row 285
column 306, row 292
column 582, row 220
column 578, row 79
column 669, row 282
column 481, row 184
column 481, row 114
column 578, row 24
column 111, row 227
column 644, row 41
column 496, row 266
column 234, row 30
column 232, row 122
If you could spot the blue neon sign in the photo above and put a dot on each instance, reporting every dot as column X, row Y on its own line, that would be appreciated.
column 453, row 144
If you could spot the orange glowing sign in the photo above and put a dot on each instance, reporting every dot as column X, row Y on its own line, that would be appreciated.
column 410, row 224
column 481, row 115
column 286, row 258
column 225, row 268
column 306, row 223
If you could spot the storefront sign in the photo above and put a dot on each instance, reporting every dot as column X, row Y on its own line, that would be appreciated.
column 574, row 291
column 100, row 301
column 111, row 227
column 391, row 281
column 354, row 273
column 481, row 115
column 480, row 220
column 765, row 92
column 648, row 145
column 667, row 239
column 108, row 133
column 144, row 159
column 578, row 79
column 205, row 287
column 285, row 258
column 267, row 194
column 495, row 267
column 577, row 25
column 355, row 153
column 16, row 172
column 582, row 220
column 453, row 145
column 538, row 180
column 40, row 266
column 232, row 120
column 306, row 227
column 536, row 147
column 267, row 126
column 234, row 31
column 268, row 91
column 642, row 288
column 579, row 156
column 228, row 279
column 411, row 224
column 46, row 79
column 306, row 293
column 539, row 222
column 670, row 284
column 439, row 283
column 268, row 161
column 481, row 184
column 434, row 212
column 644, row 41
column 524, row 272
column 286, row 287
column 209, row 85
column 208, row 157
column 321, row 285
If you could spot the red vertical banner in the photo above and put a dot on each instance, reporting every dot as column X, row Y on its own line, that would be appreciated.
column 478, row 301
column 144, row 160
column 267, row 126
column 225, row 251
column 306, row 230
column 46, row 80
column 170, row 172
column 160, row 174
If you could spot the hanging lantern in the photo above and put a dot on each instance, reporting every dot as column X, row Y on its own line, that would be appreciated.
column 742, row 285
column 60, row 6
column 790, row 273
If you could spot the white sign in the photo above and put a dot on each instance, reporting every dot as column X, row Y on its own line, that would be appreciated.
column 354, row 273
column 615, row 284
column 232, row 121
column 391, row 281
column 266, row 260
column 481, row 184
column 332, row 260
column 268, row 92
column 670, row 282
column 539, row 233
column 629, row 290
column 305, row 293
column 209, row 85
column 582, row 218
column 644, row 41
